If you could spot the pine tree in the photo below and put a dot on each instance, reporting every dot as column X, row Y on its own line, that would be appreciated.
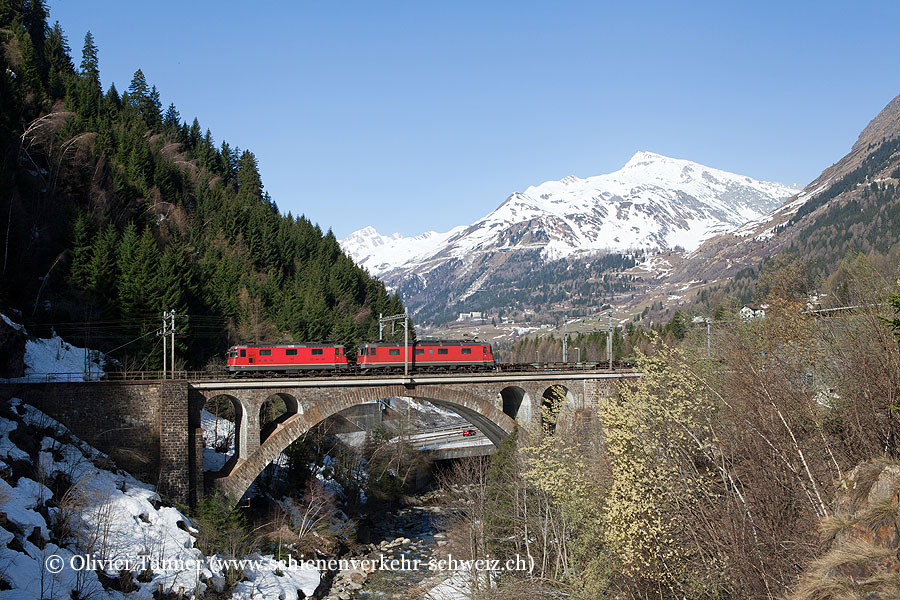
column 35, row 21
column 152, row 109
column 248, row 179
column 60, row 64
column 138, row 92
column 102, row 268
column 89, row 93
column 80, row 252
column 171, row 121
column 31, row 69
column 193, row 135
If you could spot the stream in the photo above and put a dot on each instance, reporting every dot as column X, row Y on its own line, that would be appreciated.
column 411, row 537
column 405, row 540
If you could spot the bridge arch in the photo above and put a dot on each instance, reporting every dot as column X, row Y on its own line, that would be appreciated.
column 239, row 423
column 557, row 402
column 516, row 403
column 495, row 424
column 275, row 410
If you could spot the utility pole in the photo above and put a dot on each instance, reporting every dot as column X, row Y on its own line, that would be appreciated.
column 380, row 327
column 168, row 329
column 405, row 319
column 172, row 331
column 163, row 332
column 609, row 342
column 566, row 339
column 707, row 337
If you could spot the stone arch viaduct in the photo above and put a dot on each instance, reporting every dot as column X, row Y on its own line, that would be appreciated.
column 154, row 427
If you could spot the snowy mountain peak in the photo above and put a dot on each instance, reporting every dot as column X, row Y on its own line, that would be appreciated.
column 642, row 158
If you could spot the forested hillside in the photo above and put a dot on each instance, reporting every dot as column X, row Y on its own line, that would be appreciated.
column 114, row 209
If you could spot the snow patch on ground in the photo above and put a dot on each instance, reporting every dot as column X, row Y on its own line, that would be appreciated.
column 56, row 360
column 456, row 587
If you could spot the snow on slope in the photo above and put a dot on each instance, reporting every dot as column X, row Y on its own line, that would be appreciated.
column 378, row 253
column 54, row 359
column 653, row 202
column 120, row 517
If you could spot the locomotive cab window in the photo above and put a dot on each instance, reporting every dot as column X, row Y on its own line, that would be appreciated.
column 290, row 352
column 467, row 351
column 443, row 351
column 265, row 352
column 243, row 353
column 394, row 351
column 337, row 351
column 317, row 352
column 372, row 351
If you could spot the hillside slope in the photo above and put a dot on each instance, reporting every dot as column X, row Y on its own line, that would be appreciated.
column 114, row 210
column 854, row 205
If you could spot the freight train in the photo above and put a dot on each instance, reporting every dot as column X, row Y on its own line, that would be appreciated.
column 376, row 356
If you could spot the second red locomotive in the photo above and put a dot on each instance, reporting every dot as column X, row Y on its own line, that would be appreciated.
column 426, row 355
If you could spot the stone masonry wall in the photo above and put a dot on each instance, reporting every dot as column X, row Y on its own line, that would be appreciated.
column 118, row 419
column 124, row 420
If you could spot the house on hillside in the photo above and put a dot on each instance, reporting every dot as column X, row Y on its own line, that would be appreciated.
column 748, row 312
column 469, row 315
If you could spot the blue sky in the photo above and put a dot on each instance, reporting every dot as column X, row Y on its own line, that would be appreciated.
column 410, row 116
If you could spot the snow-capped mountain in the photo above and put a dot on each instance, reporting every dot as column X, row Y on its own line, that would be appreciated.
column 653, row 203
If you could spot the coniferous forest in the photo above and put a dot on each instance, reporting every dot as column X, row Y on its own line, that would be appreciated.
column 115, row 209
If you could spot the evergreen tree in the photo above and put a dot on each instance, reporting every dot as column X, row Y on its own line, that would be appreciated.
column 138, row 92
column 152, row 109
column 31, row 68
column 88, row 92
column 171, row 120
column 35, row 21
column 79, row 269
column 59, row 62
column 102, row 268
column 248, row 180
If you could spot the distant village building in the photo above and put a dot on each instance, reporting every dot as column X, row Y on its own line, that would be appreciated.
column 753, row 312
column 470, row 315
column 814, row 300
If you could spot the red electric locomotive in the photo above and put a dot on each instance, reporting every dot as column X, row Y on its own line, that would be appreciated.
column 452, row 354
column 286, row 358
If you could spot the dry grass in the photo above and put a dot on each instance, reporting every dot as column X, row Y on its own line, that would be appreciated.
column 831, row 526
column 879, row 514
column 821, row 584
column 866, row 475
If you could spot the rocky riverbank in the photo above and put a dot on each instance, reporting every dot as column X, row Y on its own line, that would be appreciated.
column 398, row 562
